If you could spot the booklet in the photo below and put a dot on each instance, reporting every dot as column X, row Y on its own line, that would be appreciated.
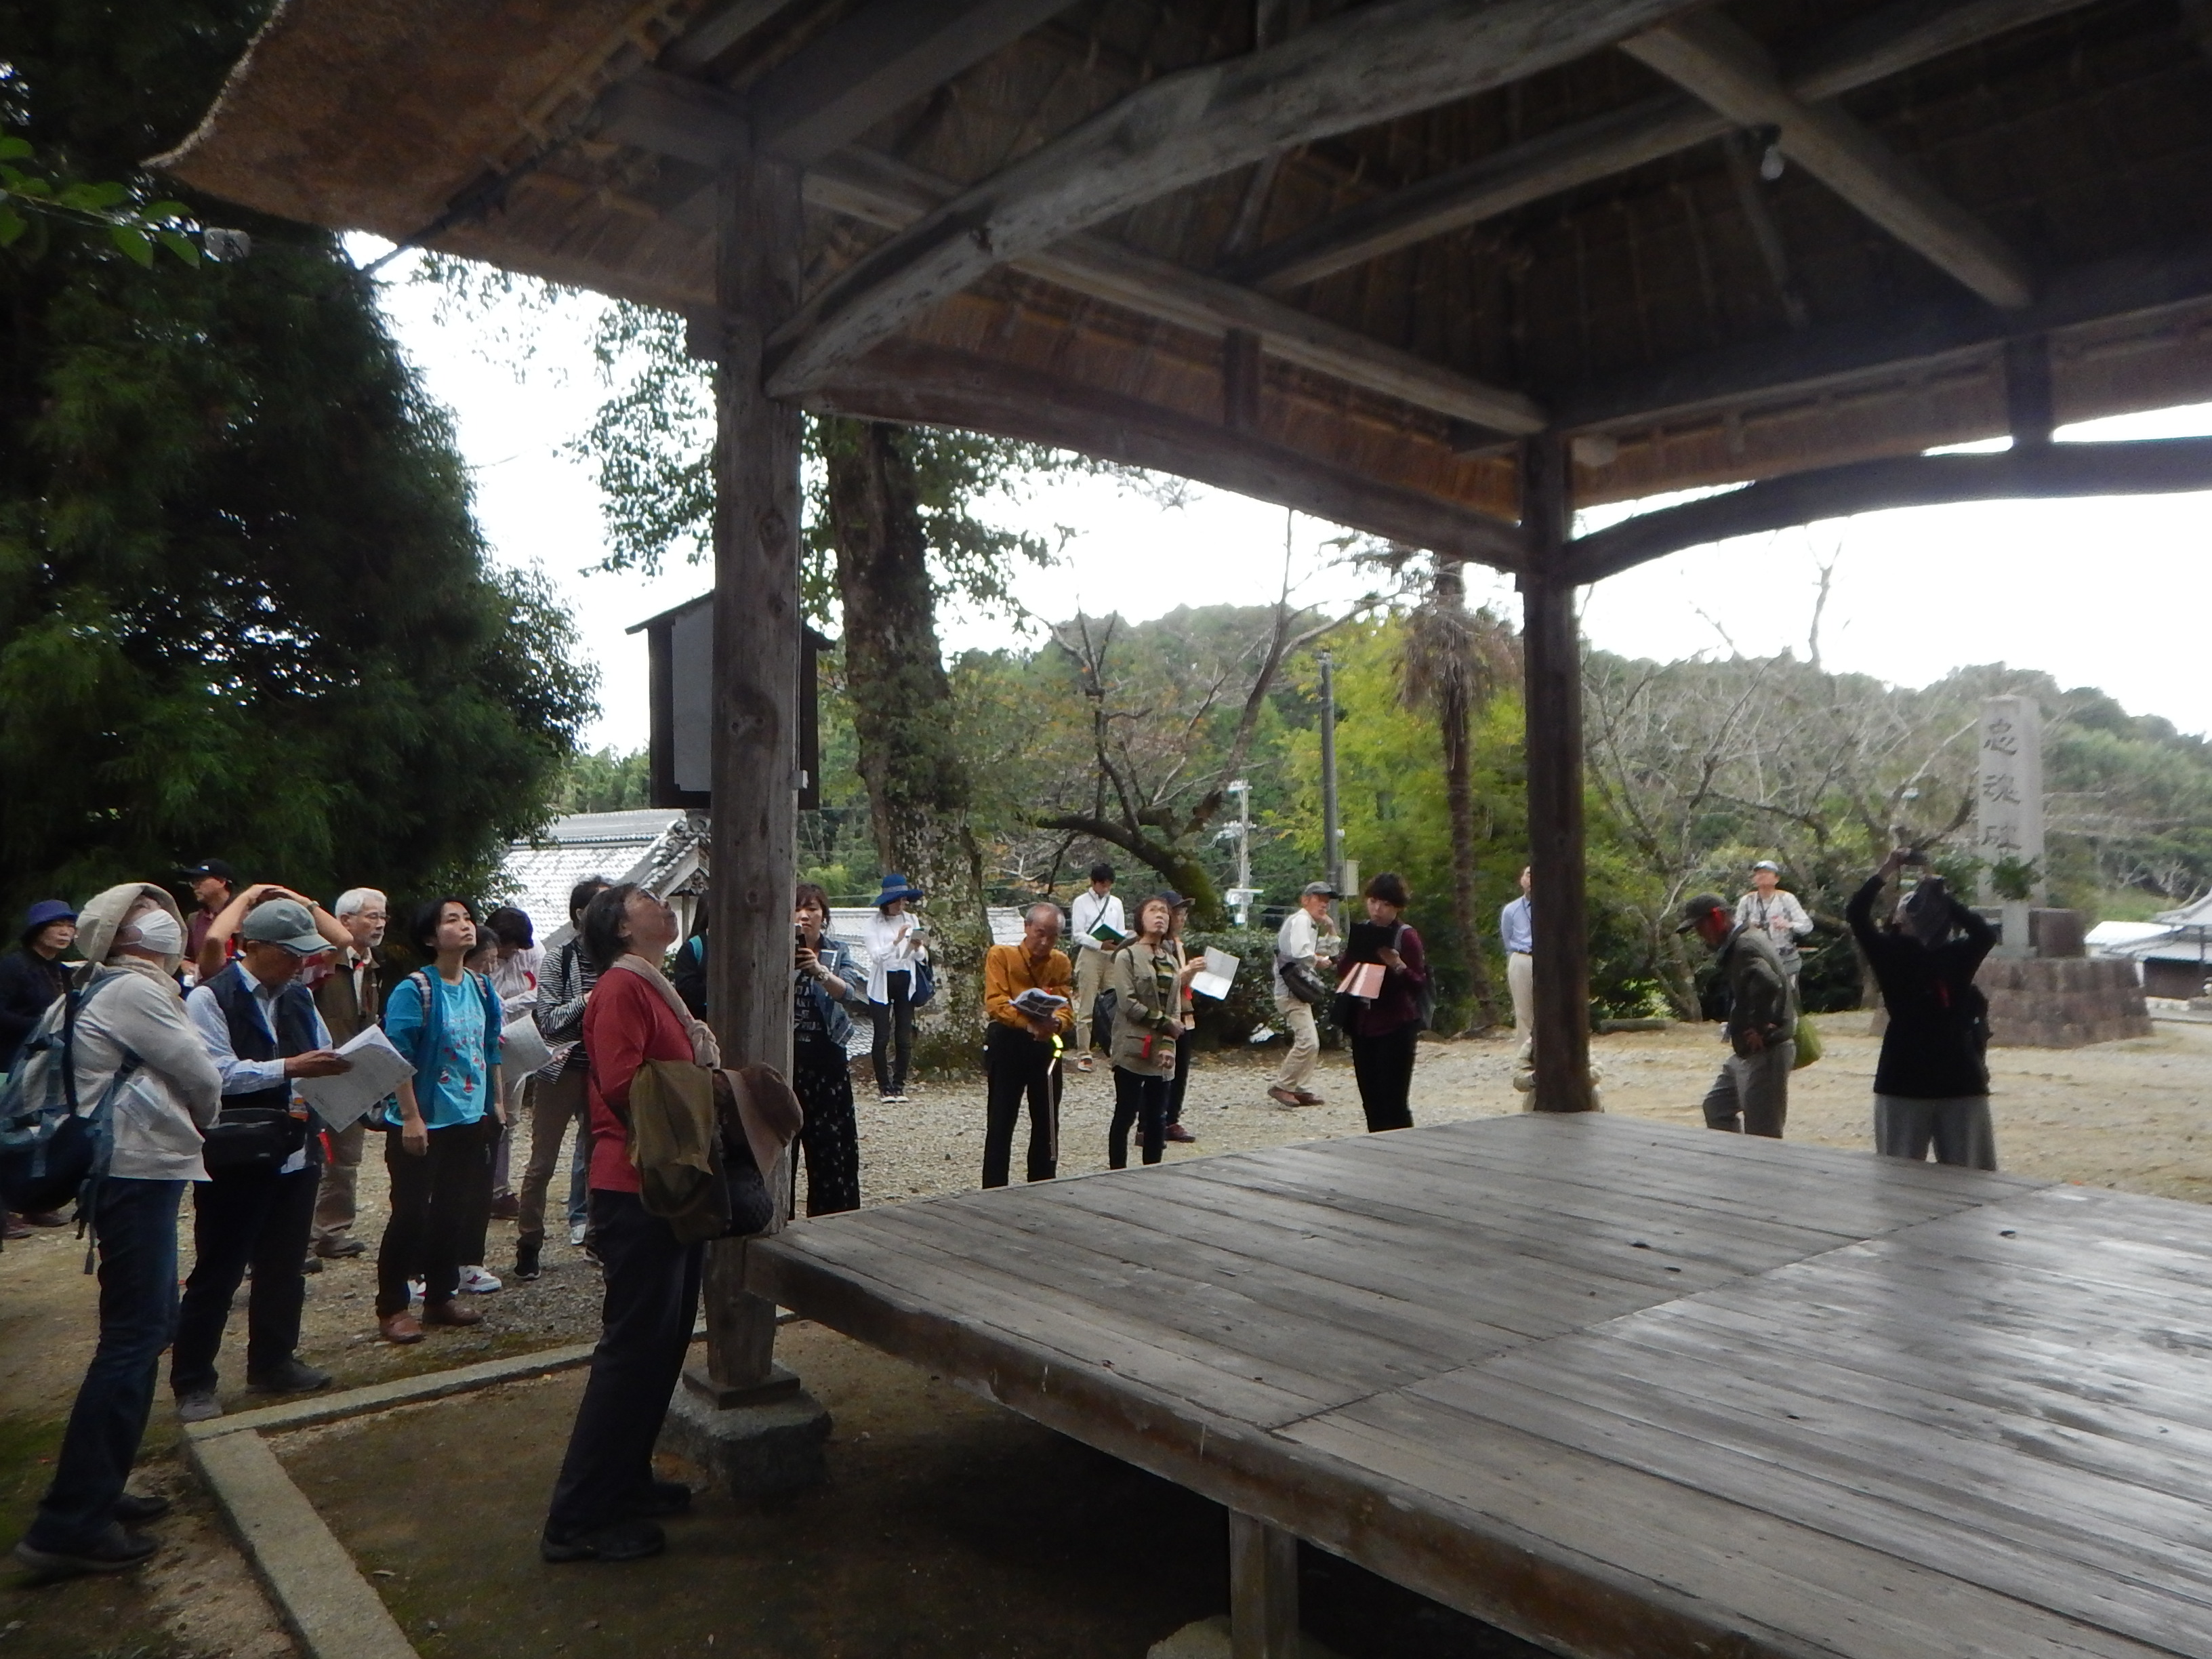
column 1220, row 972
column 521, row 1050
column 1040, row 1003
column 1105, row 934
column 1362, row 979
column 376, row 1070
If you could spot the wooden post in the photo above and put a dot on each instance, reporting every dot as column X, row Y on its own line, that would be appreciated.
column 1552, row 659
column 2027, row 391
column 1263, row 1590
column 756, row 756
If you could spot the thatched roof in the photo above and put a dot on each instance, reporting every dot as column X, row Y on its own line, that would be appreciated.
column 1423, row 287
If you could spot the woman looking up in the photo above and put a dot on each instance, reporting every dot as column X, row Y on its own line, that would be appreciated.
column 828, row 979
column 1147, row 977
column 1388, row 1025
column 895, row 951
column 606, row 1500
column 438, row 1152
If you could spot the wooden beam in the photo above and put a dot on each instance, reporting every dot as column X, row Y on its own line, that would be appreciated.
column 1833, row 356
column 715, row 34
column 2148, row 466
column 1263, row 1590
column 1715, row 61
column 1240, row 380
column 876, row 62
column 935, row 386
column 1897, row 38
column 756, row 736
column 2028, row 415
column 1552, row 668
column 1372, row 65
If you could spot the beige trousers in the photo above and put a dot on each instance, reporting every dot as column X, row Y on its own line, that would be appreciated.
column 1305, row 1043
column 1090, row 980
column 335, row 1197
column 1521, row 980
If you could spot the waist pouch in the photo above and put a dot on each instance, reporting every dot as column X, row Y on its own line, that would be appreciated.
column 252, row 1137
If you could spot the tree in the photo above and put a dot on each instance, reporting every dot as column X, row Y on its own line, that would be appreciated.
column 604, row 780
column 243, row 609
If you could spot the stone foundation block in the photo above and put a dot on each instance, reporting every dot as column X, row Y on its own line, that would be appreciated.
column 769, row 1449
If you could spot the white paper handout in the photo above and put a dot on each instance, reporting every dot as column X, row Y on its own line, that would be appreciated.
column 1220, row 971
column 375, row 1073
column 522, row 1050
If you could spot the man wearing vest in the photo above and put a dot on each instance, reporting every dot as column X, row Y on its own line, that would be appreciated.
column 261, row 1029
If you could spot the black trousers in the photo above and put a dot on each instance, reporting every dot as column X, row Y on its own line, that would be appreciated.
column 1181, row 1084
column 1384, row 1069
column 437, row 1204
column 894, row 1044
column 1018, row 1067
column 1142, row 1100
column 244, row 1217
column 645, row 1327
column 822, row 1078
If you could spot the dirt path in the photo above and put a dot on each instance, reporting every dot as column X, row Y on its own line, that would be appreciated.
column 2132, row 1115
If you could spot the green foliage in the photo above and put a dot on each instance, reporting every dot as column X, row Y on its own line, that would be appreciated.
column 2016, row 879
column 244, row 610
column 604, row 780
column 31, row 199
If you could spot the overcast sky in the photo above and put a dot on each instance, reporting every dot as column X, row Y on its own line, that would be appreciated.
column 2099, row 592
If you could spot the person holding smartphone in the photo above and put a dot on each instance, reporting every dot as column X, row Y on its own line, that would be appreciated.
column 829, row 981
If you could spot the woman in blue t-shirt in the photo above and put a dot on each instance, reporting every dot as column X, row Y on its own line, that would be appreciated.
column 438, row 1149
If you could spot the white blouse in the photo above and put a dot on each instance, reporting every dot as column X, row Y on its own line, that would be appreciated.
column 891, row 947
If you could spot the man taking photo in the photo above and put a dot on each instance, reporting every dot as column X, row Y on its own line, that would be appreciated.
column 1751, row 1096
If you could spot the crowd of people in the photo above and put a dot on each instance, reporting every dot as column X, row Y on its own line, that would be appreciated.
column 202, row 1029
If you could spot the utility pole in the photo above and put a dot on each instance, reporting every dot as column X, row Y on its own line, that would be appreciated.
column 1332, row 853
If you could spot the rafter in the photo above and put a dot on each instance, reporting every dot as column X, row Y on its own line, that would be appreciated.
column 2035, row 471
column 1714, row 60
column 1375, row 64
column 910, row 382
column 1888, row 42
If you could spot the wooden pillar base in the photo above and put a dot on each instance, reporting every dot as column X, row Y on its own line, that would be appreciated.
column 1263, row 1590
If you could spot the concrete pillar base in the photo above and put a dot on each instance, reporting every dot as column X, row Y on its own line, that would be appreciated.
column 769, row 1449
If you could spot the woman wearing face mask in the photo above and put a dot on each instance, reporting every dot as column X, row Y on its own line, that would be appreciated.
column 132, row 939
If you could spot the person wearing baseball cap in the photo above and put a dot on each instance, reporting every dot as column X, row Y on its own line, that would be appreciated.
column 212, row 884
column 1751, row 1096
column 1770, row 910
column 262, row 1030
column 1302, row 970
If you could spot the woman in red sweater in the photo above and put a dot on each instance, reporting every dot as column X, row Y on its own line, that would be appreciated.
column 606, row 1501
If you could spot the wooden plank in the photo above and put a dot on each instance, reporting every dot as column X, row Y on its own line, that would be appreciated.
column 1263, row 1590
column 1714, row 60
column 1888, row 42
column 2128, row 1580
column 1353, row 70
column 935, row 385
column 876, row 61
column 1775, row 1586
column 2137, row 467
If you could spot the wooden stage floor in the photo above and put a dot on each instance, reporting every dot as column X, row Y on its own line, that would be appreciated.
column 1620, row 1388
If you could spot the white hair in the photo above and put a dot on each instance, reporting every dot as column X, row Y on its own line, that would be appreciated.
column 355, row 900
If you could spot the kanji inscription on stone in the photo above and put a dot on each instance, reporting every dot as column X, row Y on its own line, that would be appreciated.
column 2010, row 819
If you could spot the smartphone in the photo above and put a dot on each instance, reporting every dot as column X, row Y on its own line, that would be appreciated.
column 1916, row 857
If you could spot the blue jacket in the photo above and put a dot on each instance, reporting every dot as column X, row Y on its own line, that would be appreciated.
column 840, row 959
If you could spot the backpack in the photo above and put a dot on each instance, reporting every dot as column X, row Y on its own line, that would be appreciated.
column 50, row 1149
column 432, row 1032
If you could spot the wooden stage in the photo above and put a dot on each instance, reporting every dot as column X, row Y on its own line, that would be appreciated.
column 1620, row 1388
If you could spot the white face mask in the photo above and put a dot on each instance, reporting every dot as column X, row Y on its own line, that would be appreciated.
column 159, row 932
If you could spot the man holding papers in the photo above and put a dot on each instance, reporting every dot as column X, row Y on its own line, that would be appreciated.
column 1100, row 929
column 261, row 1028
column 1026, row 994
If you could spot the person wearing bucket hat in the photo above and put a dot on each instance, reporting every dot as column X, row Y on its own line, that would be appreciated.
column 132, row 937
column 1751, row 1096
column 1771, row 910
column 893, row 943
column 263, row 1030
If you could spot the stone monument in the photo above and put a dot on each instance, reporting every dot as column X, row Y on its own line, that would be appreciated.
column 2043, row 992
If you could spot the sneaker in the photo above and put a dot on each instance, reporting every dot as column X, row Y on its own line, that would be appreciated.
column 576, row 1235
column 525, row 1260
column 313, row 1264
column 400, row 1327
column 133, row 1510
column 476, row 1282
column 1176, row 1132
column 624, row 1540
column 199, row 1407
column 415, row 1289
column 455, row 1312
column 290, row 1377
column 340, row 1248
column 889, row 1099
column 506, row 1207
column 1283, row 1097
column 113, row 1551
